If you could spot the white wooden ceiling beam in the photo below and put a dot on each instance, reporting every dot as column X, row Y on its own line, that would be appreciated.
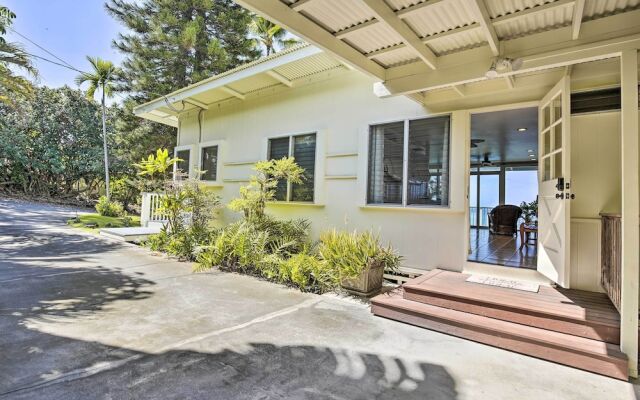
column 474, row 69
column 459, row 89
column 296, row 23
column 279, row 78
column 528, row 12
column 440, row 35
column 576, row 23
column 301, row 4
column 355, row 28
column 479, row 9
column 405, row 12
column 511, row 81
column 386, row 15
column 233, row 92
column 389, row 49
column 196, row 103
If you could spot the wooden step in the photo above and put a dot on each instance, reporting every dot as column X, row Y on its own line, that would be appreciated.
column 587, row 354
column 585, row 314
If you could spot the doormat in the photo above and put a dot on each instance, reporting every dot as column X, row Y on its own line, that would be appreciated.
column 504, row 283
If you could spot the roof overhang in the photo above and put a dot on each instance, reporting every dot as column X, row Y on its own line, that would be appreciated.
column 423, row 46
column 285, row 69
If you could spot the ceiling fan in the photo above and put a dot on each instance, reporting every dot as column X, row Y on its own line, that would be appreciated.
column 475, row 142
column 486, row 162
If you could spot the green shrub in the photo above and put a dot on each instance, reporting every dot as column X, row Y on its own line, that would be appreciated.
column 350, row 253
column 158, row 242
column 309, row 273
column 180, row 244
column 109, row 208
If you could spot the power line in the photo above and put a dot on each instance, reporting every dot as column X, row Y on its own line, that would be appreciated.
column 41, row 48
column 53, row 62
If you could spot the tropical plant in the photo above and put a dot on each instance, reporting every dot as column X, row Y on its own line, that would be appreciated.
column 102, row 78
column 271, row 36
column 529, row 211
column 49, row 147
column 350, row 253
column 109, row 208
column 157, row 168
column 262, row 186
column 12, row 58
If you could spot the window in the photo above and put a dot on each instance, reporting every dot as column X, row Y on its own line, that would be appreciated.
column 409, row 162
column 183, row 165
column 303, row 149
column 209, row 163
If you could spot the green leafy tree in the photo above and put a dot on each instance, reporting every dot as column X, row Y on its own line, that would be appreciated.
column 12, row 59
column 157, row 168
column 271, row 36
column 262, row 186
column 49, row 146
column 171, row 44
column 101, row 78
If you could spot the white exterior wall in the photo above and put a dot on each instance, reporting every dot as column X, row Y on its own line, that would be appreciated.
column 340, row 110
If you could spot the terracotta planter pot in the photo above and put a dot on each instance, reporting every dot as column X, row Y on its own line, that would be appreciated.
column 368, row 283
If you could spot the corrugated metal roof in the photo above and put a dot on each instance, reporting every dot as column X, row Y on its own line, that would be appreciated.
column 396, row 57
column 308, row 66
column 440, row 17
column 446, row 16
column 373, row 37
column 336, row 15
column 304, row 61
column 550, row 19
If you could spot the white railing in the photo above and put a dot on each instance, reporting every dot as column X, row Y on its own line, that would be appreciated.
column 149, row 211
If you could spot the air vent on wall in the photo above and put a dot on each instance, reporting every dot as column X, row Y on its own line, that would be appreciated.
column 595, row 101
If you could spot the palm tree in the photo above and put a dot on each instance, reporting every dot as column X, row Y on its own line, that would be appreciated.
column 271, row 35
column 101, row 78
column 12, row 57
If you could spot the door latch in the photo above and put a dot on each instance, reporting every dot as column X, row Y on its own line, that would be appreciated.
column 560, row 196
column 560, row 184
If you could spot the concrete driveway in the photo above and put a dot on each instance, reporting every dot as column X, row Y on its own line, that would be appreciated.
column 82, row 317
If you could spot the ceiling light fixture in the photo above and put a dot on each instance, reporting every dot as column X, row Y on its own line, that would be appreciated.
column 503, row 64
column 522, row 129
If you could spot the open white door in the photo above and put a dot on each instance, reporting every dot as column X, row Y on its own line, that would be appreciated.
column 554, row 183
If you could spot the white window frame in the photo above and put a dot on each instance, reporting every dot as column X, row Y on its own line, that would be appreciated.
column 318, row 164
column 191, row 149
column 405, row 163
column 212, row 143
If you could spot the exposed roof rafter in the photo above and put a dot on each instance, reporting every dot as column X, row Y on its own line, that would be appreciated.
column 233, row 92
column 386, row 15
column 279, row 78
column 403, row 13
column 301, row 4
column 482, row 14
column 196, row 103
column 578, row 10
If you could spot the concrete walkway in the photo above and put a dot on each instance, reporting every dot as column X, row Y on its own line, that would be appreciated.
column 82, row 317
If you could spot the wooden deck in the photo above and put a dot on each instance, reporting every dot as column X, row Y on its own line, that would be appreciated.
column 576, row 328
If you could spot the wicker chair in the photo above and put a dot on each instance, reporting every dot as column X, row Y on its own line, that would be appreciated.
column 503, row 219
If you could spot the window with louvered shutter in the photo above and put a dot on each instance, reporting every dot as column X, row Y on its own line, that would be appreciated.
column 182, row 166
column 279, row 148
column 209, row 163
column 303, row 149
column 428, row 169
column 304, row 152
column 423, row 145
column 386, row 148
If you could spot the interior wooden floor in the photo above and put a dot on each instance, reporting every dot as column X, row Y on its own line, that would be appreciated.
column 501, row 250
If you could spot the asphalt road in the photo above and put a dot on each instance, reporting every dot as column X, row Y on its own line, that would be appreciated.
column 82, row 317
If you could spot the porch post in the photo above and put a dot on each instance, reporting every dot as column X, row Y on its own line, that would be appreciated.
column 630, row 209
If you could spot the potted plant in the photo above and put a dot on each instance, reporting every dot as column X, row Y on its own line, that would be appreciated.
column 529, row 212
column 359, row 259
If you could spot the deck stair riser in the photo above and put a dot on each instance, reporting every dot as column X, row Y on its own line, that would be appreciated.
column 587, row 354
column 607, row 332
column 579, row 329
column 592, row 317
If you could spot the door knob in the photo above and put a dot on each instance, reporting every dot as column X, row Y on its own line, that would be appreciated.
column 559, row 195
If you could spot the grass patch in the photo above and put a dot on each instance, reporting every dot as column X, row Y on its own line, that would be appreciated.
column 93, row 222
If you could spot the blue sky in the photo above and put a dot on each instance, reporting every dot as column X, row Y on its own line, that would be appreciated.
column 71, row 29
